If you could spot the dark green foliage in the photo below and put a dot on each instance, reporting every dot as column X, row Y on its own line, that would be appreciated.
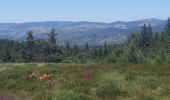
column 6, row 57
column 30, row 45
column 87, row 47
column 167, row 28
column 109, row 91
column 52, row 37
column 146, row 47
column 143, row 47
column 105, row 48
column 75, row 49
column 132, row 55
column 68, row 46
column 146, row 37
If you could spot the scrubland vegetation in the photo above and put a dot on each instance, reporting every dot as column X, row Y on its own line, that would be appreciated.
column 85, row 82
column 138, row 69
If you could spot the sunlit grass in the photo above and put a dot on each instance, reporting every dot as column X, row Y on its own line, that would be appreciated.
column 85, row 82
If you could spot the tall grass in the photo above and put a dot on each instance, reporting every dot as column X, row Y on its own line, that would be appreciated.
column 85, row 82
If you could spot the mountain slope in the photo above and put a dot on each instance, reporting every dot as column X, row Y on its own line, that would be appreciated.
column 94, row 33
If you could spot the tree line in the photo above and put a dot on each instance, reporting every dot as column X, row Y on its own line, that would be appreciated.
column 145, row 46
column 41, row 50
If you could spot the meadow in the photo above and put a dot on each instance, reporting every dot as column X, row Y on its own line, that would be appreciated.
column 19, row 81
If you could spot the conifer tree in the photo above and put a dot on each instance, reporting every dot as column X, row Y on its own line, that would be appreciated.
column 68, row 46
column 100, row 53
column 30, row 46
column 75, row 49
column 132, row 55
column 146, row 37
column 7, row 56
column 105, row 48
column 87, row 47
column 150, row 34
column 167, row 27
column 52, row 42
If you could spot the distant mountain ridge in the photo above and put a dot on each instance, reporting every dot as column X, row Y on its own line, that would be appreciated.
column 94, row 33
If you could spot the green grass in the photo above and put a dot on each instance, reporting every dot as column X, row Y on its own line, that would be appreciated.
column 85, row 82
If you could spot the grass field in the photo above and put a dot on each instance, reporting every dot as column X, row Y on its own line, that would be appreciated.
column 84, row 82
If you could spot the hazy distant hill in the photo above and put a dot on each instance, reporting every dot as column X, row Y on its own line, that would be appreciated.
column 93, row 33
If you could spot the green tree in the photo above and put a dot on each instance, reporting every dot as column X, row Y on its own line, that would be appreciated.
column 52, row 37
column 100, row 53
column 146, row 37
column 87, row 47
column 29, row 47
column 51, row 47
column 167, row 27
column 7, row 56
column 68, row 46
column 132, row 55
column 75, row 49
column 150, row 34
column 105, row 48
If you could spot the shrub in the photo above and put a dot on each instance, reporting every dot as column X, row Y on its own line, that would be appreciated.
column 109, row 91
column 11, row 85
column 54, row 58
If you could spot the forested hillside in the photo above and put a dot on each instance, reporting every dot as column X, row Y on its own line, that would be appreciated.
column 94, row 33
column 144, row 47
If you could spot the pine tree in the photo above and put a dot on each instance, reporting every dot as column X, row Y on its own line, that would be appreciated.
column 30, row 46
column 51, row 37
column 52, row 42
column 87, row 47
column 105, row 48
column 167, row 27
column 7, row 56
column 132, row 55
column 68, row 46
column 75, row 49
column 166, row 37
column 146, row 37
column 150, row 34
column 94, row 53
column 100, row 53
column 156, row 37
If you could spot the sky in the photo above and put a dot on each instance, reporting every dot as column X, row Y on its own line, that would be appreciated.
column 82, row 10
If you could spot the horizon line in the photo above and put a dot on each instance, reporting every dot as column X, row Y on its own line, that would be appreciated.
column 80, row 21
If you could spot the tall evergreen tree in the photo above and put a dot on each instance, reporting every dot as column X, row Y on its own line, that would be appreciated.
column 105, row 48
column 166, row 37
column 150, row 33
column 167, row 27
column 52, row 37
column 30, row 46
column 146, row 37
column 68, row 46
column 87, row 47
column 7, row 56
column 52, row 41
column 156, row 37
column 75, row 49
column 100, row 53
column 132, row 55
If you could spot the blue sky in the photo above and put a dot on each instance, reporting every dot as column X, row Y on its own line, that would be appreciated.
column 82, row 10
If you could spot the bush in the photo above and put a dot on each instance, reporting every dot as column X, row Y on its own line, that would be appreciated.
column 11, row 85
column 109, row 91
column 69, row 95
column 54, row 58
